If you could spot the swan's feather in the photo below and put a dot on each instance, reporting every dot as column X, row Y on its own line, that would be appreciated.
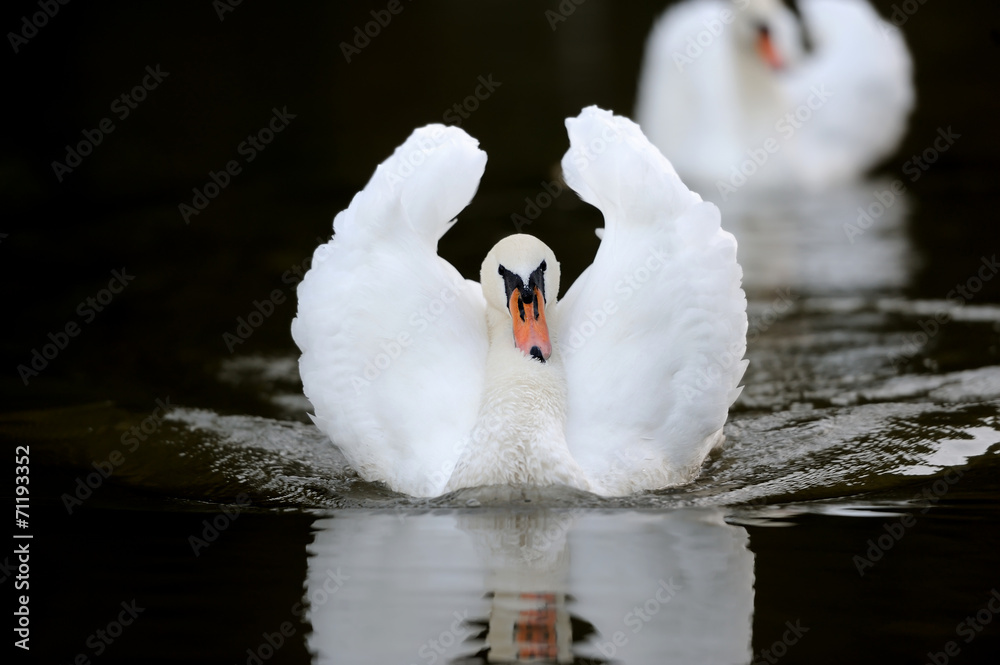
column 393, row 339
column 395, row 346
column 866, row 70
column 709, row 103
column 653, row 333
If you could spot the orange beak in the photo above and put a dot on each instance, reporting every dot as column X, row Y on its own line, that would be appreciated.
column 531, row 334
column 766, row 50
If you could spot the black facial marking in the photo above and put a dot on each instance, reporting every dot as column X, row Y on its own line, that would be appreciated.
column 537, row 353
column 512, row 281
column 537, row 279
column 807, row 42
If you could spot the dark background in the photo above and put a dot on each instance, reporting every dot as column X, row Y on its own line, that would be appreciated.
column 163, row 335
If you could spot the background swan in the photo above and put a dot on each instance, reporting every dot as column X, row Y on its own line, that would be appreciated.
column 429, row 382
column 806, row 99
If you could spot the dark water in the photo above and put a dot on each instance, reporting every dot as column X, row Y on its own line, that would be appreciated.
column 851, row 517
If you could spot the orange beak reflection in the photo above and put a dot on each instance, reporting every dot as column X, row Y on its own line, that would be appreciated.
column 531, row 334
column 767, row 51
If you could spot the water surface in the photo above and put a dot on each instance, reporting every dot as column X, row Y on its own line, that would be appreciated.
column 851, row 516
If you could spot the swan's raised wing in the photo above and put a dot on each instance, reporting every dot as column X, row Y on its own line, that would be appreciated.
column 393, row 339
column 686, row 96
column 654, row 332
column 858, row 87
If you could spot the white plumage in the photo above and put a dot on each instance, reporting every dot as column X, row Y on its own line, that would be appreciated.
column 721, row 79
column 424, row 379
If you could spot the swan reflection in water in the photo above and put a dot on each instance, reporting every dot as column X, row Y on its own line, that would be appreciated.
column 505, row 584
column 844, row 240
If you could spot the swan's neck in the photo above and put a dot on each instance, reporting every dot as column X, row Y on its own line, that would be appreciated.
column 758, row 94
column 519, row 438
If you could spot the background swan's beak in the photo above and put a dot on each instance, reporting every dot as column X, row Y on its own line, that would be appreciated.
column 531, row 334
column 767, row 51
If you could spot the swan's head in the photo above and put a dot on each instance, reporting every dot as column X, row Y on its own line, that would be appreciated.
column 520, row 278
column 769, row 33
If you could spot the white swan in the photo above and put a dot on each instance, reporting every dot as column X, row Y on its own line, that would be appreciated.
column 731, row 93
column 431, row 383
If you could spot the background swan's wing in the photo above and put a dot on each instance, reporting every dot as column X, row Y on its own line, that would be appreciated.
column 687, row 101
column 858, row 88
column 393, row 339
column 654, row 332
